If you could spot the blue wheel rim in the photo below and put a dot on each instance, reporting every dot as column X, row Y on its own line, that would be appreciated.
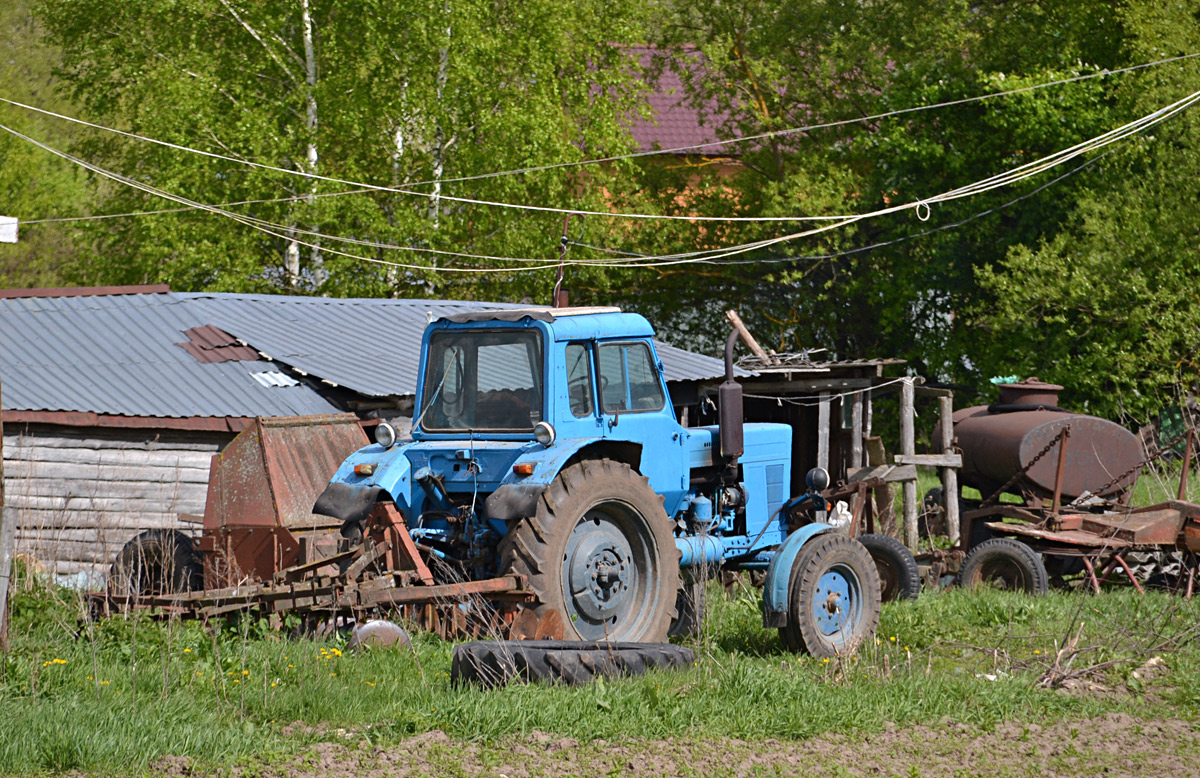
column 837, row 603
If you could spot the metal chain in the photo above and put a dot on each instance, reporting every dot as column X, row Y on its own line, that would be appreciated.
column 1162, row 449
column 1017, row 476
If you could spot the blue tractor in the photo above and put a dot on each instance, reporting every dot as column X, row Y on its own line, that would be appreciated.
column 544, row 445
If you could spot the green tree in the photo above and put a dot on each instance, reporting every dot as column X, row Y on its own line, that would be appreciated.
column 773, row 65
column 403, row 93
column 34, row 185
column 1108, row 305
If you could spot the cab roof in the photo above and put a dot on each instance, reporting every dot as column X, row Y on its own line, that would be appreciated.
column 567, row 323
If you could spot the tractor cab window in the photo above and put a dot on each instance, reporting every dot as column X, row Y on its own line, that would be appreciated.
column 579, row 379
column 628, row 379
column 483, row 380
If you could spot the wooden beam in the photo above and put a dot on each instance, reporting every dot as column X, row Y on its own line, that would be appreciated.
column 823, row 432
column 930, row 460
column 856, row 431
column 748, row 339
column 949, row 474
column 889, row 474
column 908, row 444
column 8, row 526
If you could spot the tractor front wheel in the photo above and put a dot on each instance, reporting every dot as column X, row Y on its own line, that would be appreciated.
column 599, row 552
column 833, row 597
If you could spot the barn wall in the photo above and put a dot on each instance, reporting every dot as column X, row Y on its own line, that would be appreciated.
column 79, row 494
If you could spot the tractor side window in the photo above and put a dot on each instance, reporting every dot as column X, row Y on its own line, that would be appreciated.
column 579, row 379
column 628, row 379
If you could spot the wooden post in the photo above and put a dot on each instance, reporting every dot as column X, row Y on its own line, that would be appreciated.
column 8, row 536
column 823, row 432
column 868, row 413
column 856, row 431
column 949, row 474
column 908, row 446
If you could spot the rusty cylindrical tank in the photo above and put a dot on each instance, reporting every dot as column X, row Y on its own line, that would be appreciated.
column 998, row 440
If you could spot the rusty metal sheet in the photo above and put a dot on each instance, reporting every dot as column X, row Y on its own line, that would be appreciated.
column 1067, row 537
column 1142, row 528
column 301, row 455
column 271, row 474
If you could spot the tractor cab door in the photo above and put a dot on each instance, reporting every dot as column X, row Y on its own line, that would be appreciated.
column 634, row 406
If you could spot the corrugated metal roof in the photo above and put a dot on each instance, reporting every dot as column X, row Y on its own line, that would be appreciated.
column 371, row 346
column 118, row 354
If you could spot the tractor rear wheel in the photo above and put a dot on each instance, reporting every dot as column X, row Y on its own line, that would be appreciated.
column 158, row 561
column 833, row 597
column 600, row 552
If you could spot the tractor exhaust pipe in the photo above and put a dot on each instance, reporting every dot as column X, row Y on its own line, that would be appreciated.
column 731, row 419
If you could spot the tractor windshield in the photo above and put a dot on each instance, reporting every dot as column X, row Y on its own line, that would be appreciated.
column 483, row 380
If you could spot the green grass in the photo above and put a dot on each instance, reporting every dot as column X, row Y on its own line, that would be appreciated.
column 118, row 695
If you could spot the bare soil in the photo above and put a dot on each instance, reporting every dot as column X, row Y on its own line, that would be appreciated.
column 1113, row 745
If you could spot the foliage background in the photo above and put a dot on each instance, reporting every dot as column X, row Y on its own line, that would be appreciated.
column 1085, row 280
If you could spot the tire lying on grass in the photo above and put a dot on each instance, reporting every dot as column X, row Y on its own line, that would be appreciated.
column 1006, row 564
column 899, row 577
column 494, row 663
column 158, row 561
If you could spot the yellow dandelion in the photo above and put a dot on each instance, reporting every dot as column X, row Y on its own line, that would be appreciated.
column 245, row 672
column 90, row 678
column 291, row 667
column 892, row 638
column 272, row 684
column 187, row 650
column 237, row 680
column 1036, row 651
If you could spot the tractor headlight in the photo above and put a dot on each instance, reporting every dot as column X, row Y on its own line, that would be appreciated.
column 543, row 433
column 385, row 434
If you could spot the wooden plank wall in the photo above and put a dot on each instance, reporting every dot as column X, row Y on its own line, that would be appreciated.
column 79, row 494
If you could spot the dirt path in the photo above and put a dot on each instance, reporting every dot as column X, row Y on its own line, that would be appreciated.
column 1115, row 745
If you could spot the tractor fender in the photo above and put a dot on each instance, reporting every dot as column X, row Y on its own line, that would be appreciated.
column 779, row 574
column 517, row 497
column 350, row 497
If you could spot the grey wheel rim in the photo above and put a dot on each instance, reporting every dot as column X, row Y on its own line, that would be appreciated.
column 609, row 567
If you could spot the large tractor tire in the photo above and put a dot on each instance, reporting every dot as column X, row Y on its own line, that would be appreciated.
column 899, row 576
column 1007, row 564
column 158, row 561
column 833, row 598
column 494, row 663
column 599, row 552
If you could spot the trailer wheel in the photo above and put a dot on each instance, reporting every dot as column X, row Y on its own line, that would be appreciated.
column 601, row 552
column 899, row 577
column 158, row 561
column 833, row 597
column 1007, row 564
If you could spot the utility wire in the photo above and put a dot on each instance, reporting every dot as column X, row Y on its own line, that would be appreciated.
column 667, row 217
column 921, row 206
column 160, row 211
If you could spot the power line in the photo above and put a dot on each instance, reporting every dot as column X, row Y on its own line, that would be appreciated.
column 1005, row 178
column 161, row 211
column 577, row 212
